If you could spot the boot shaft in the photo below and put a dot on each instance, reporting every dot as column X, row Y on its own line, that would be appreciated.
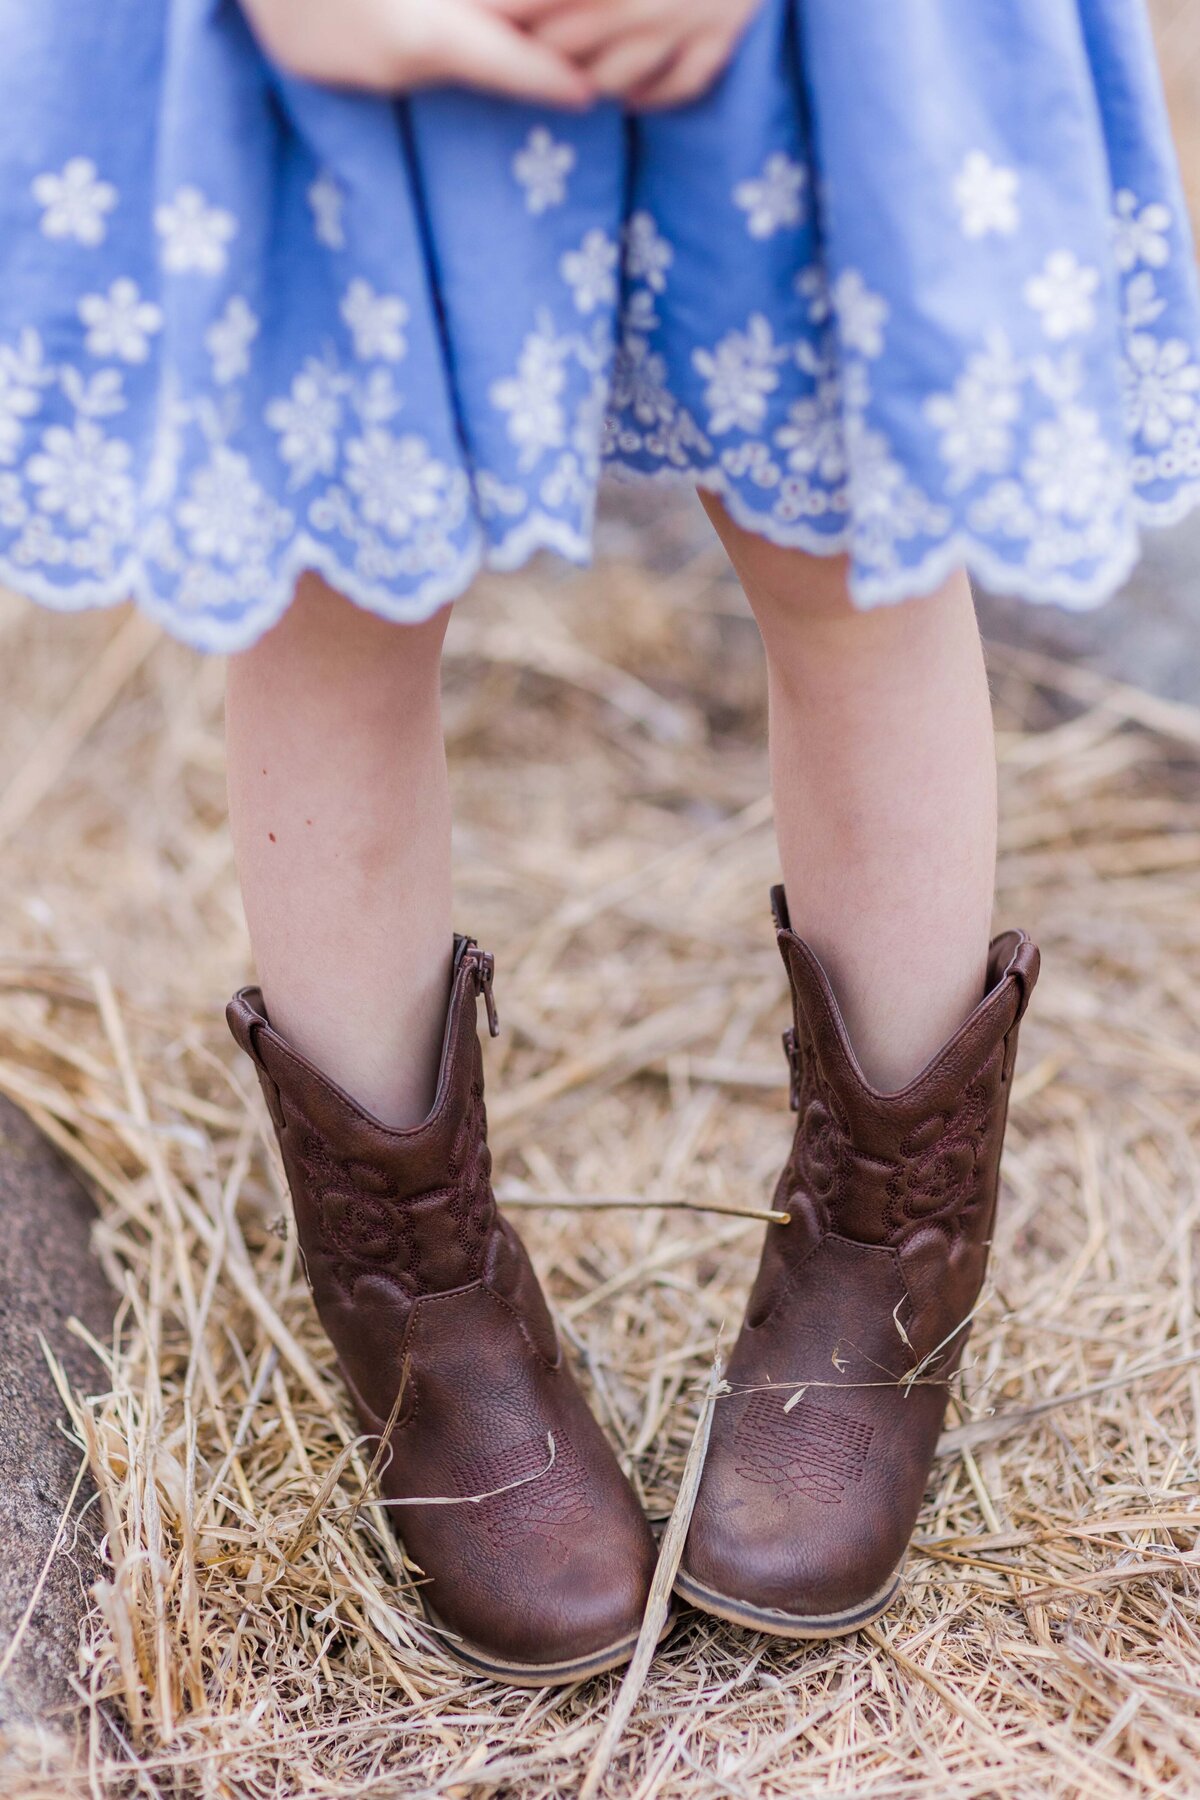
column 876, row 1166
column 413, row 1204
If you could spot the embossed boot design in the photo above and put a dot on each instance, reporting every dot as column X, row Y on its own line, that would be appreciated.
column 820, row 1452
column 428, row 1294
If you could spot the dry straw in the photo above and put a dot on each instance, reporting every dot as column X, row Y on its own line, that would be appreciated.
column 255, row 1632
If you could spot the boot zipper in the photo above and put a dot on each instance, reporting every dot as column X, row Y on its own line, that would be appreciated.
column 483, row 968
column 792, row 1051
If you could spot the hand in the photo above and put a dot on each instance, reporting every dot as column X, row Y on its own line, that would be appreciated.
column 650, row 53
column 390, row 46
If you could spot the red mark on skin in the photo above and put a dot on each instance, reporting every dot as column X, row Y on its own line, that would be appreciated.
column 271, row 835
column 308, row 821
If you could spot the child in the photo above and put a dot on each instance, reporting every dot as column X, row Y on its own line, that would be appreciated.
column 906, row 291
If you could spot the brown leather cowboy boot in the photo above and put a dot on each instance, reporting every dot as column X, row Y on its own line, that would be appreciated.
column 436, row 1316
column 820, row 1452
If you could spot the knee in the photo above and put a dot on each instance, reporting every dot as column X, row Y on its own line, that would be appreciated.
column 790, row 592
column 799, row 600
column 810, row 624
column 325, row 637
column 320, row 613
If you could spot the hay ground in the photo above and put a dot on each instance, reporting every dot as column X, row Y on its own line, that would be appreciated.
column 253, row 1635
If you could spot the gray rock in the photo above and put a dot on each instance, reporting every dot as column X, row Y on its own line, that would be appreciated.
column 47, row 1274
column 1148, row 635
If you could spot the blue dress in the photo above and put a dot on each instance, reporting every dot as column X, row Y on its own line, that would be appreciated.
column 913, row 282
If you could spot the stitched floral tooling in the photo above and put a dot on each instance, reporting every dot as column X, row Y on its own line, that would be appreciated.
column 249, row 326
column 423, row 1242
column 941, row 1163
column 932, row 1179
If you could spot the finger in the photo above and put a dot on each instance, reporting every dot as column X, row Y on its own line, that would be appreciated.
column 578, row 29
column 479, row 49
column 534, row 15
column 577, row 33
column 622, row 68
column 527, row 13
column 691, row 75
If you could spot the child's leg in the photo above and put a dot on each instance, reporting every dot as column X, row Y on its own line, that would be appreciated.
column 883, row 768
column 341, row 824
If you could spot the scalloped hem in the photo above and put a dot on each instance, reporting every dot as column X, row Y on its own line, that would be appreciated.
column 543, row 532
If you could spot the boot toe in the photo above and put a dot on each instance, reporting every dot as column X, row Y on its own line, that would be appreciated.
column 556, row 1614
column 809, row 1582
column 792, row 1565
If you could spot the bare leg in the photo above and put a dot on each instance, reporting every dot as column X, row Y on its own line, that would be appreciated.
column 884, row 774
column 340, row 810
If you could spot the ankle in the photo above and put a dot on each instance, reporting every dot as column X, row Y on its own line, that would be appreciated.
column 380, row 1044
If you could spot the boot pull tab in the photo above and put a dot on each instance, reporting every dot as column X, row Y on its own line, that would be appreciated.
column 1023, row 970
column 483, row 968
column 246, row 1020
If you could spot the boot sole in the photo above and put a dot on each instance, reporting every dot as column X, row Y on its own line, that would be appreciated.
column 768, row 1619
column 539, row 1675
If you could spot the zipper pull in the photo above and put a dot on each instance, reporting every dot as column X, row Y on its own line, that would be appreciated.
column 483, row 967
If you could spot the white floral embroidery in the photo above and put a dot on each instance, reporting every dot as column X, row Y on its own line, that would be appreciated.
column 120, row 323
column 23, row 375
column 648, row 256
column 591, row 271
column 861, row 315
column 376, row 323
column 773, row 200
column 228, row 340
column 1143, row 305
column 888, row 508
column 740, row 372
column 1161, row 384
column 376, row 397
column 1064, row 295
column 226, row 514
column 532, row 397
column 1139, row 233
column 13, row 510
column 327, row 201
column 95, row 396
column 569, row 483
column 1070, row 468
column 82, row 474
column 639, row 314
column 813, row 438
column 587, row 430
column 813, row 288
column 194, row 234
column 1018, row 464
column 308, row 421
column 16, row 404
column 541, row 167
column 978, row 418
column 986, row 196
column 645, row 416
column 75, row 202
column 398, row 482
column 497, row 499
